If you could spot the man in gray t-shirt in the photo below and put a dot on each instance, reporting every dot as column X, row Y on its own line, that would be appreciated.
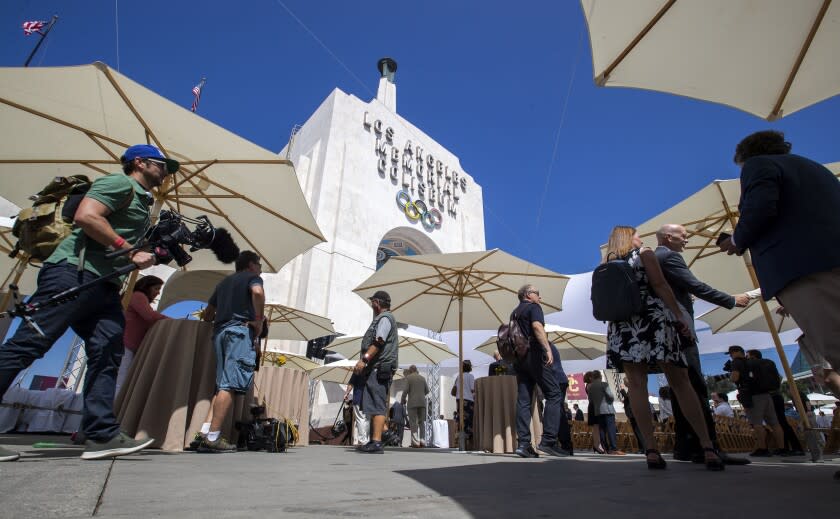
column 377, row 366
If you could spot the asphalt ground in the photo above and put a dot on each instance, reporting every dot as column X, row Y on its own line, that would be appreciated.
column 50, row 480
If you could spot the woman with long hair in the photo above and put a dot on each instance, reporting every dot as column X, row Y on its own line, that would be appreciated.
column 652, row 342
column 139, row 317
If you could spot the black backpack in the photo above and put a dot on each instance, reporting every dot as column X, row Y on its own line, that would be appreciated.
column 511, row 341
column 616, row 295
column 766, row 377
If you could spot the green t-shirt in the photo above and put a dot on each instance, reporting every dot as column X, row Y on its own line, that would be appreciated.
column 129, row 219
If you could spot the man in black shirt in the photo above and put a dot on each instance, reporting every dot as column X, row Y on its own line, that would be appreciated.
column 755, row 399
column 537, row 368
column 236, row 310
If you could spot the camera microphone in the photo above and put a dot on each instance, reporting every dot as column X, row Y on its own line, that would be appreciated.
column 223, row 246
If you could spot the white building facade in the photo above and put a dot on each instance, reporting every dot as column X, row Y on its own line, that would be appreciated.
column 378, row 186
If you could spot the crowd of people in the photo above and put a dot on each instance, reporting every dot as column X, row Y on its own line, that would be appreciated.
column 788, row 222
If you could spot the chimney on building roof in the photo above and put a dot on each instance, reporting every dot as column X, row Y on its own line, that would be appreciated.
column 387, row 92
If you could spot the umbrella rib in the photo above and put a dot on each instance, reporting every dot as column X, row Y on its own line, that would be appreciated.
column 196, row 207
column 62, row 122
column 604, row 76
column 263, row 207
column 149, row 133
column 230, row 222
column 777, row 108
column 187, row 178
column 706, row 246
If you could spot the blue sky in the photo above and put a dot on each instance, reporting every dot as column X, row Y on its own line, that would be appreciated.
column 560, row 160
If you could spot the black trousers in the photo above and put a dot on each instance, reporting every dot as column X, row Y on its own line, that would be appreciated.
column 686, row 441
column 791, row 440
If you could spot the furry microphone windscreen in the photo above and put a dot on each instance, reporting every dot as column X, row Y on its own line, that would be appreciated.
column 223, row 246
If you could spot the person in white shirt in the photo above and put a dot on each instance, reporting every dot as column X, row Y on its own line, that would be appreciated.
column 823, row 422
column 722, row 407
column 469, row 399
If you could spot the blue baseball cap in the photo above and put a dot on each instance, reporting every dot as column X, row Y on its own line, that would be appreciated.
column 147, row 151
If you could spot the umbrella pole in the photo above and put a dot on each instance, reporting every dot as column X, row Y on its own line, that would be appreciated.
column 777, row 341
column 794, row 393
column 462, row 440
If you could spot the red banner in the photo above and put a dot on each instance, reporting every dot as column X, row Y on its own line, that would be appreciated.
column 576, row 390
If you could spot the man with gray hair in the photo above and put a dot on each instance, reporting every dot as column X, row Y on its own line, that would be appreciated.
column 671, row 240
column 540, row 367
column 414, row 399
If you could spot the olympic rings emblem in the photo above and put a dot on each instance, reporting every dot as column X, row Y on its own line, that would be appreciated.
column 418, row 210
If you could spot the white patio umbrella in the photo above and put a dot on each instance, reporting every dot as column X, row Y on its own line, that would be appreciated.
column 571, row 344
column 819, row 397
column 289, row 360
column 462, row 290
column 748, row 319
column 339, row 372
column 769, row 58
column 413, row 348
column 79, row 120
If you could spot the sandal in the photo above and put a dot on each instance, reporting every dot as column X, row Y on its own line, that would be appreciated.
column 715, row 464
column 659, row 464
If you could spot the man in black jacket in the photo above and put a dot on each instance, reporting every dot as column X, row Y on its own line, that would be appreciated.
column 672, row 240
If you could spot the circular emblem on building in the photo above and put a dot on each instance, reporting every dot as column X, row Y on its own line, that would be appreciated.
column 418, row 210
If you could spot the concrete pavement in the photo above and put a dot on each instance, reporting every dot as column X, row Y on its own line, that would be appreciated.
column 325, row 481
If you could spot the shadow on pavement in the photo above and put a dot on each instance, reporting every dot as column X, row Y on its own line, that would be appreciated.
column 628, row 489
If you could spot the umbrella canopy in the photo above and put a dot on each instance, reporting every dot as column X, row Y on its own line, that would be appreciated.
column 413, row 348
column 425, row 290
column 572, row 344
column 732, row 53
column 819, row 397
column 339, row 372
column 461, row 290
column 747, row 319
column 292, row 324
column 79, row 120
column 289, row 360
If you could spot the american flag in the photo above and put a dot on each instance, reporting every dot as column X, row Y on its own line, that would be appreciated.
column 197, row 93
column 32, row 27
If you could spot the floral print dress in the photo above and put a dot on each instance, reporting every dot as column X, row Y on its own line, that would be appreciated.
column 649, row 337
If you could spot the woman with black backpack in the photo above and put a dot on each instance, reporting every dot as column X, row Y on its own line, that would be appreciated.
column 650, row 341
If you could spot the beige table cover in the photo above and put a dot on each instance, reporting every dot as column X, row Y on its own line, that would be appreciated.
column 171, row 382
column 494, row 427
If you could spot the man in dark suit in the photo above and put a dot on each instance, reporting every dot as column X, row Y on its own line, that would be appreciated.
column 790, row 223
column 672, row 240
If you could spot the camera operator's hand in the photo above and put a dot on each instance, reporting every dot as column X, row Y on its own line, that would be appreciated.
column 781, row 311
column 143, row 259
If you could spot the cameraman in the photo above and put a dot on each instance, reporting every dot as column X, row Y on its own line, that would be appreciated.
column 755, row 399
column 113, row 215
column 236, row 310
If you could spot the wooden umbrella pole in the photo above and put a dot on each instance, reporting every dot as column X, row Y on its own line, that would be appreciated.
column 777, row 341
column 462, row 440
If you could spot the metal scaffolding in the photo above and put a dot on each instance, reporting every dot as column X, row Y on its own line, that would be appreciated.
column 75, row 364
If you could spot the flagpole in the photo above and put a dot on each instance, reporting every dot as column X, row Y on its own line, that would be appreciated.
column 43, row 37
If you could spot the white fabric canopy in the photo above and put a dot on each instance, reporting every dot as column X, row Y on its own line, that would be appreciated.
column 339, row 371
column 79, row 120
column 413, row 348
column 769, row 57
column 571, row 344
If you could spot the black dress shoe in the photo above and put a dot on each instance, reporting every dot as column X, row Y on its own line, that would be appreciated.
column 526, row 451
column 732, row 460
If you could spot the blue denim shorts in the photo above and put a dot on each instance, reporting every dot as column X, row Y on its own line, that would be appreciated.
column 235, row 358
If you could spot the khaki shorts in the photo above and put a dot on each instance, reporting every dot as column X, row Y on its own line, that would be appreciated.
column 813, row 301
column 762, row 410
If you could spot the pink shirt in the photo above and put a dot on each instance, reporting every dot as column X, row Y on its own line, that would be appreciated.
column 139, row 317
